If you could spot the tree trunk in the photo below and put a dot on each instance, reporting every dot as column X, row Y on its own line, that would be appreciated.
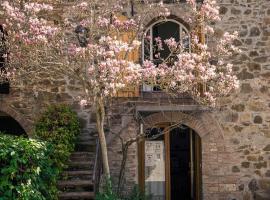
column 123, row 166
column 100, row 113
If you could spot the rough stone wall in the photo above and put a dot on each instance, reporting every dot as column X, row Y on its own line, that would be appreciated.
column 26, row 104
column 115, row 157
column 240, row 169
column 236, row 165
column 245, row 115
column 32, row 94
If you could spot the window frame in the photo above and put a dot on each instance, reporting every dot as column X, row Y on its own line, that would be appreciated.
column 182, row 27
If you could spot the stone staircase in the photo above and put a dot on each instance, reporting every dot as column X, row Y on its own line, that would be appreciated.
column 77, row 179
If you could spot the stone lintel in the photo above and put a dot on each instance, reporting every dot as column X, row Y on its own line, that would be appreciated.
column 169, row 108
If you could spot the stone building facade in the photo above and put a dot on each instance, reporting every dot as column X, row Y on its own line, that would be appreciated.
column 235, row 139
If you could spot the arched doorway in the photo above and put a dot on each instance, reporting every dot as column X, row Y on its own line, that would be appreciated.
column 9, row 125
column 170, row 163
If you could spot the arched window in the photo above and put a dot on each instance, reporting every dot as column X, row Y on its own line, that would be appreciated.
column 160, row 31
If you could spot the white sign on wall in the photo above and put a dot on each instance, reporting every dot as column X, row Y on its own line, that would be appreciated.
column 154, row 161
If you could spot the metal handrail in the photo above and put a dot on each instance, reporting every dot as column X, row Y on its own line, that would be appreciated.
column 97, row 168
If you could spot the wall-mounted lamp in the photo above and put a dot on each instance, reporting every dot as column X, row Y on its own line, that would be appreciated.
column 82, row 35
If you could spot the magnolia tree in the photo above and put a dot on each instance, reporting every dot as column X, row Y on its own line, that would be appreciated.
column 93, row 40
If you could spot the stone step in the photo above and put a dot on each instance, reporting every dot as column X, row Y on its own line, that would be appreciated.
column 86, row 137
column 84, row 146
column 79, row 172
column 81, row 165
column 89, row 142
column 86, row 140
column 75, row 185
column 84, row 159
column 76, row 195
column 78, row 159
column 78, row 175
column 82, row 155
column 81, row 158
column 87, row 133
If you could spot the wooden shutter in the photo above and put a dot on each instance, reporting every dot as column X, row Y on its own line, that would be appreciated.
column 132, row 56
column 201, row 35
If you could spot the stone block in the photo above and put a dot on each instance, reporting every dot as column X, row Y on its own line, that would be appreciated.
column 238, row 107
column 246, row 88
column 258, row 119
column 245, row 164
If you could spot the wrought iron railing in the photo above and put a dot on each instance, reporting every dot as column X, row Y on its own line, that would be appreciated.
column 97, row 172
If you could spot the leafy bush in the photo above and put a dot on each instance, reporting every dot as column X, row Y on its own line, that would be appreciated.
column 60, row 126
column 136, row 194
column 108, row 193
column 26, row 169
column 29, row 168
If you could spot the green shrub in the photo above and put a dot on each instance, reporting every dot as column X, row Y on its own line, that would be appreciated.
column 108, row 193
column 60, row 126
column 136, row 194
column 29, row 168
column 26, row 169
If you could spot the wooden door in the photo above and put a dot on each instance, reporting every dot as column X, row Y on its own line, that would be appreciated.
column 182, row 164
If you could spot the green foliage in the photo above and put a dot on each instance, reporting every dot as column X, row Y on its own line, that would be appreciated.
column 29, row 168
column 26, row 169
column 60, row 126
column 108, row 193
column 136, row 194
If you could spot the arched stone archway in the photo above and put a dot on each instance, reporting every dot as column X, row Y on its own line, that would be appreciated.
column 212, row 142
column 202, row 122
column 178, row 13
column 25, row 124
column 9, row 125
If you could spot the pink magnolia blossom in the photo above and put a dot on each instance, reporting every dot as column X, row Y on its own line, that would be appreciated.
column 37, row 7
column 83, row 5
column 35, row 29
column 159, row 43
column 103, row 64
column 171, row 43
column 210, row 10
column 103, row 22
column 83, row 102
